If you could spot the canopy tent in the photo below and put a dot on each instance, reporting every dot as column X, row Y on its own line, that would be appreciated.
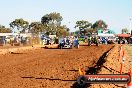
column 16, row 34
column 124, row 35
column 7, row 34
column 106, row 35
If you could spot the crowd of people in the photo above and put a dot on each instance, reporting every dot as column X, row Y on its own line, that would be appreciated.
column 13, row 40
column 68, row 41
column 72, row 41
column 124, row 40
column 100, row 40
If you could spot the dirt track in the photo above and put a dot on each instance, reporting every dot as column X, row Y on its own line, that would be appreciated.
column 47, row 68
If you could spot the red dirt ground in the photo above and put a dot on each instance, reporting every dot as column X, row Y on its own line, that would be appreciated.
column 47, row 68
column 113, row 66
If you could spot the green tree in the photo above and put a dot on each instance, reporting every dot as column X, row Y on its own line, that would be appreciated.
column 90, row 30
column 4, row 30
column 99, row 24
column 36, row 27
column 83, row 26
column 62, row 31
column 52, row 21
column 45, row 19
column 20, row 24
column 124, row 31
column 1, row 26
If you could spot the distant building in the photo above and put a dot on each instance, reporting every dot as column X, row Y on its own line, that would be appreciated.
column 106, row 33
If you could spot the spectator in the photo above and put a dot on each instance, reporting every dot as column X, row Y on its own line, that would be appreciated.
column 76, row 42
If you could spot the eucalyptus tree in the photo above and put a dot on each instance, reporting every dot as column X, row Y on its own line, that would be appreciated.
column 52, row 21
column 99, row 24
column 124, row 31
column 3, row 29
column 19, row 24
column 83, row 26
column 36, row 27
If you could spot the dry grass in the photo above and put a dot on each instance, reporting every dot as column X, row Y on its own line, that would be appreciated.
column 128, row 49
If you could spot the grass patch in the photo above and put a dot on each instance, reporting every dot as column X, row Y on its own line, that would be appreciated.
column 128, row 49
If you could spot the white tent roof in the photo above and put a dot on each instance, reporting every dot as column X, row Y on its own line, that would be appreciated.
column 106, row 35
column 14, row 34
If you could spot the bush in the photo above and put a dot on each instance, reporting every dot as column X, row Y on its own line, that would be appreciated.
column 81, row 39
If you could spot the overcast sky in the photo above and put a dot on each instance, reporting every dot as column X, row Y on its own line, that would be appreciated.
column 116, row 13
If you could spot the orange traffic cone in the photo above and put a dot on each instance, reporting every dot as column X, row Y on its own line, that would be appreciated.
column 81, row 71
column 129, row 85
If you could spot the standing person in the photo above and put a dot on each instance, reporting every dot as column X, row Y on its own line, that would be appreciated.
column 50, row 41
column 71, row 40
column 67, row 41
column 118, row 40
column 99, row 40
column 64, row 41
column 3, row 40
column 106, row 40
column 61, row 43
column 76, row 42
column 103, row 40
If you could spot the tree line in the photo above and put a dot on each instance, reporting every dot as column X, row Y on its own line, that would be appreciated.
column 51, row 24
column 3, row 29
column 85, row 27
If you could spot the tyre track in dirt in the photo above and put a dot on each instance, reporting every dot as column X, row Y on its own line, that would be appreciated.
column 46, row 68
